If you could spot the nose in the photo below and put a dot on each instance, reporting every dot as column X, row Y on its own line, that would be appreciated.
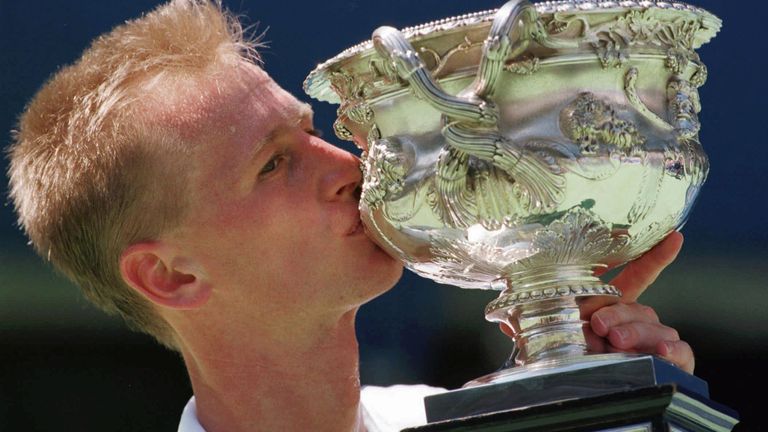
column 341, row 180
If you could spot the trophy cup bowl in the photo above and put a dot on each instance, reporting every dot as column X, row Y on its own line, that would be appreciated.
column 523, row 149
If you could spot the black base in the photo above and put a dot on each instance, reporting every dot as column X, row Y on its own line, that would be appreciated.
column 655, row 408
column 602, row 374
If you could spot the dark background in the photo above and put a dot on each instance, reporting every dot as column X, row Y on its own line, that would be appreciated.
column 64, row 365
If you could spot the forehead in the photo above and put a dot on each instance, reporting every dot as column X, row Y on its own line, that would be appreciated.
column 224, row 119
column 252, row 95
column 226, row 100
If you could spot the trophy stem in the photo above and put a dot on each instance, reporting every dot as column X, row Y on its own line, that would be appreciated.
column 547, row 330
column 541, row 307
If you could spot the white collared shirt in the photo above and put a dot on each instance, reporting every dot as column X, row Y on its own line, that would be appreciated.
column 383, row 409
column 189, row 422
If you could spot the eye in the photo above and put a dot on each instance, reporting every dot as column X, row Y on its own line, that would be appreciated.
column 315, row 132
column 272, row 164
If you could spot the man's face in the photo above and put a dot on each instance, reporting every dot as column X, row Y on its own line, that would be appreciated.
column 273, row 221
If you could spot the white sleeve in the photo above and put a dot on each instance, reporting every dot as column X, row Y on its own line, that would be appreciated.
column 391, row 409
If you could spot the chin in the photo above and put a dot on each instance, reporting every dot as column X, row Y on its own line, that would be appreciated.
column 379, row 279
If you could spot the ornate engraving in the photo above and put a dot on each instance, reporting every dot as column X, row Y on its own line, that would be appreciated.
column 441, row 60
column 650, row 185
column 576, row 237
column 383, row 72
column 612, row 49
column 527, row 187
column 471, row 127
column 505, row 181
column 677, row 60
column 687, row 157
column 404, row 208
column 539, row 182
column 699, row 77
column 526, row 66
column 644, row 240
column 612, row 39
column 360, row 113
column 496, row 196
column 595, row 127
column 684, row 105
column 373, row 134
column 634, row 28
column 478, row 260
column 680, row 34
column 578, row 290
column 642, row 26
column 354, row 107
column 342, row 131
column 569, row 24
column 384, row 170
column 350, row 89
column 449, row 195
column 630, row 88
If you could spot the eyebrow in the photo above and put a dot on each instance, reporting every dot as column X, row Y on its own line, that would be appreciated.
column 295, row 114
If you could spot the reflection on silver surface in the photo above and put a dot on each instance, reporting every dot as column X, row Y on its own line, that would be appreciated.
column 524, row 148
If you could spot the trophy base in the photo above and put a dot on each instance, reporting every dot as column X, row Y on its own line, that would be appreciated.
column 648, row 409
column 665, row 372
column 558, row 381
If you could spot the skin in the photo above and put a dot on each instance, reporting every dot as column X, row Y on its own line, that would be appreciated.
column 262, row 280
column 629, row 326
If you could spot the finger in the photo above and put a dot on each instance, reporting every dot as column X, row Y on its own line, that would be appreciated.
column 679, row 353
column 641, row 273
column 595, row 343
column 641, row 337
column 637, row 275
column 610, row 316
column 588, row 305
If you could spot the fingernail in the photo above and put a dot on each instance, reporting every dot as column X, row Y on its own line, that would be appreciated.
column 602, row 322
column 607, row 319
column 622, row 334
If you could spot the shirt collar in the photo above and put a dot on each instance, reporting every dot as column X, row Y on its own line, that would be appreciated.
column 189, row 422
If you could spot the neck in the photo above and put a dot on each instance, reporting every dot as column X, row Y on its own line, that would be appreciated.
column 299, row 377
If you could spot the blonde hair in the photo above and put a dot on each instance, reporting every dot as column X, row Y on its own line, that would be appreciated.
column 84, row 166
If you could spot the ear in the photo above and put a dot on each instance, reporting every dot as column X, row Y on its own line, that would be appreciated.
column 157, row 273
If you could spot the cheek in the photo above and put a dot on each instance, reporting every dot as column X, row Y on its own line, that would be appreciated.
column 276, row 233
column 264, row 213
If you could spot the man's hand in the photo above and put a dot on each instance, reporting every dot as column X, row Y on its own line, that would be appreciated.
column 627, row 326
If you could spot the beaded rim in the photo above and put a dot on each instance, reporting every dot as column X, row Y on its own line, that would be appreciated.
column 316, row 83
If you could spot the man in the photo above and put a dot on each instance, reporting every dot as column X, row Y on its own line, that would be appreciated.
column 171, row 178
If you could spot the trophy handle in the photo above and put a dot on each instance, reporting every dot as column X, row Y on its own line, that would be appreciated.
column 406, row 63
column 470, row 122
column 472, row 105
column 499, row 46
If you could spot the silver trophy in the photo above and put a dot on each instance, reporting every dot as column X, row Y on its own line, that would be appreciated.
column 522, row 149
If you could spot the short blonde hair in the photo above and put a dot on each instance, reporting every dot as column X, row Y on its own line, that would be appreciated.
column 84, row 171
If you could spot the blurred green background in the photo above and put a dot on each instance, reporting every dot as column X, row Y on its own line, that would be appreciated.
column 64, row 365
